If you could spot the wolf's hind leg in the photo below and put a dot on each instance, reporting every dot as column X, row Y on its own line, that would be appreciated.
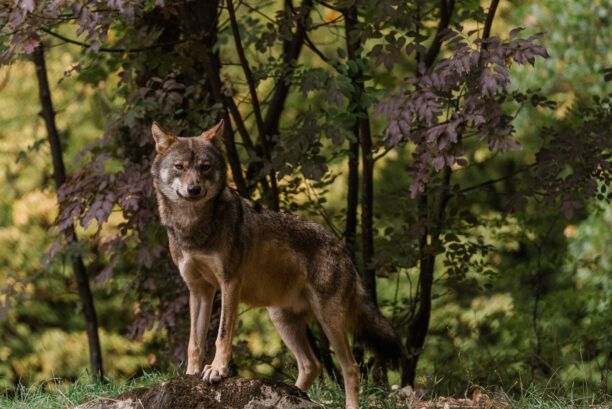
column 334, row 326
column 292, row 329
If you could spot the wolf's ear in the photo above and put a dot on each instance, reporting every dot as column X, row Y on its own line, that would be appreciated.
column 163, row 140
column 213, row 135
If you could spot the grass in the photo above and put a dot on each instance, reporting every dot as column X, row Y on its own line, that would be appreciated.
column 55, row 393
column 539, row 398
column 331, row 395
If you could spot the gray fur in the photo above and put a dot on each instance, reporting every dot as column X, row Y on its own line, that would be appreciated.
column 295, row 267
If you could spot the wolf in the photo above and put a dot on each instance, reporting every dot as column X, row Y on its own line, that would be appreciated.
column 295, row 268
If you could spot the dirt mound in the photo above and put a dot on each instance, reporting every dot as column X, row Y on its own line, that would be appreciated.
column 190, row 392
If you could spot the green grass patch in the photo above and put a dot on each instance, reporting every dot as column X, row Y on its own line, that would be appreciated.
column 55, row 393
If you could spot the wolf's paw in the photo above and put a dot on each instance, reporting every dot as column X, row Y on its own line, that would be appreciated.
column 214, row 373
column 193, row 371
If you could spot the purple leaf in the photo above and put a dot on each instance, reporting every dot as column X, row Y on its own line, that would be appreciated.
column 30, row 45
column 514, row 32
column 438, row 163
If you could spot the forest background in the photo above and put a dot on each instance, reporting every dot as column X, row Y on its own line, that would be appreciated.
column 463, row 156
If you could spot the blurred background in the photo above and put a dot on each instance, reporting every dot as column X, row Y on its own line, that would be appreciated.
column 520, row 283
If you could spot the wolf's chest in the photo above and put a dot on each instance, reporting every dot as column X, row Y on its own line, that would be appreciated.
column 196, row 267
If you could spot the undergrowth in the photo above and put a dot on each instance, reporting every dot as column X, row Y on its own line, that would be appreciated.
column 56, row 393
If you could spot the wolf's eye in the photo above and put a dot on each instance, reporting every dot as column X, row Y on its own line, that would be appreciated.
column 205, row 167
column 178, row 166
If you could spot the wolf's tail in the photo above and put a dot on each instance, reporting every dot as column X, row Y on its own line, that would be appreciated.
column 376, row 332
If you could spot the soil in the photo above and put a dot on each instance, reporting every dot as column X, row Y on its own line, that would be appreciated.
column 190, row 392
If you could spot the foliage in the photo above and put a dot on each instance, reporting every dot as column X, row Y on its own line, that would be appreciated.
column 476, row 175
column 468, row 91
column 578, row 61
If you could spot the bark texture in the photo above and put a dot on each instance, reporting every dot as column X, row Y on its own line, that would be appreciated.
column 59, row 176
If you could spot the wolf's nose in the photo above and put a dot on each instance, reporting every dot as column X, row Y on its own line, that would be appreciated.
column 194, row 190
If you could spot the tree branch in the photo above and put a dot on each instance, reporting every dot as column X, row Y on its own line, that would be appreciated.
column 330, row 6
column 486, row 33
column 111, row 49
column 493, row 181
column 291, row 52
column 446, row 12
column 248, row 74
column 212, row 73
column 318, row 52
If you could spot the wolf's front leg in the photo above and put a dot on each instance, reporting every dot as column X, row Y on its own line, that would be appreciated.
column 200, row 307
column 230, row 297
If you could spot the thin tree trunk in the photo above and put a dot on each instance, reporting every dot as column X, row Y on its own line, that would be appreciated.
column 367, row 170
column 352, row 197
column 59, row 175
column 273, row 197
column 362, row 132
column 433, row 221
column 419, row 326
column 446, row 12
column 367, row 208
column 486, row 32
column 291, row 53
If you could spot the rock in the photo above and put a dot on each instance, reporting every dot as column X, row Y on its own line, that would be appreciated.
column 403, row 393
column 190, row 392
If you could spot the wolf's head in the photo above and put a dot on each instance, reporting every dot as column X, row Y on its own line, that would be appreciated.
column 188, row 170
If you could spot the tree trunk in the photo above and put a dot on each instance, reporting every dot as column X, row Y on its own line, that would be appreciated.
column 291, row 52
column 363, row 136
column 367, row 171
column 367, row 208
column 273, row 195
column 432, row 222
column 352, row 197
column 59, row 175
column 419, row 326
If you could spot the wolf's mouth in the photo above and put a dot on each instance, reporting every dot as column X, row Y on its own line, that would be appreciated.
column 192, row 198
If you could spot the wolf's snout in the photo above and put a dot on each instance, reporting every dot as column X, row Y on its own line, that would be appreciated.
column 194, row 190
